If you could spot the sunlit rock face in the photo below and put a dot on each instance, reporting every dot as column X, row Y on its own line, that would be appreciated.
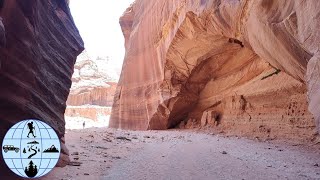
column 39, row 43
column 93, row 88
column 93, row 82
column 248, row 63
column 94, row 113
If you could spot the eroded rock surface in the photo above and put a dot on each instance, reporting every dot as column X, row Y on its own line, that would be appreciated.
column 92, row 82
column 94, row 113
column 93, row 88
column 245, row 61
column 36, row 63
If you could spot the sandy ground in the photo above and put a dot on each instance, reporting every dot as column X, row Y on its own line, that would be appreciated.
column 115, row 154
column 77, row 122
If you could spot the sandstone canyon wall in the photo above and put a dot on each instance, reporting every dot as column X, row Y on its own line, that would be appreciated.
column 39, row 46
column 93, row 87
column 93, row 82
column 242, row 66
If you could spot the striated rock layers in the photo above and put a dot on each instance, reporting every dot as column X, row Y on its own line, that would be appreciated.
column 241, row 66
column 93, row 88
column 91, row 83
column 39, row 45
column 94, row 113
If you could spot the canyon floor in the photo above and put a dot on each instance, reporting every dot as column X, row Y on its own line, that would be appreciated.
column 104, row 153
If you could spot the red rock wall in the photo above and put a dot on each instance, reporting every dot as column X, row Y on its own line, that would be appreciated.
column 92, row 82
column 90, row 112
column 102, row 96
column 184, row 57
column 36, row 62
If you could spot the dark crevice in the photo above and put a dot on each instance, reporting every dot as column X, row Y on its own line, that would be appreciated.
column 217, row 118
column 269, row 75
column 1, row 4
column 232, row 40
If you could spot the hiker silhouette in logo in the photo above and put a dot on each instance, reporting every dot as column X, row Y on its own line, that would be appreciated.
column 31, row 129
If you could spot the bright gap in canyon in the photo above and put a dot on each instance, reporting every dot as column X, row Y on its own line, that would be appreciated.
column 167, row 89
column 98, row 67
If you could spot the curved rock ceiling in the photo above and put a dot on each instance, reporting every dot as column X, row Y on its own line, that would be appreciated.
column 250, row 63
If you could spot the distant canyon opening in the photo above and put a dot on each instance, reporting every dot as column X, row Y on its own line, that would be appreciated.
column 97, row 69
column 93, row 87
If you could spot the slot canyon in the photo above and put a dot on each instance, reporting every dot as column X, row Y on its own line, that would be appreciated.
column 238, row 78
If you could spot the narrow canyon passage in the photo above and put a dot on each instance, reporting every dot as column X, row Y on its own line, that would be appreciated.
column 103, row 153
column 215, row 89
